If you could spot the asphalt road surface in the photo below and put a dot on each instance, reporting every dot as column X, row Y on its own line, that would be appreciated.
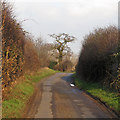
column 55, row 98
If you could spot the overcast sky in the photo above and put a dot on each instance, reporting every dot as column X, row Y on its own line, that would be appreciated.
column 75, row 17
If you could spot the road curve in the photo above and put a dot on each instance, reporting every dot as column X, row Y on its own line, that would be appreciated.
column 55, row 98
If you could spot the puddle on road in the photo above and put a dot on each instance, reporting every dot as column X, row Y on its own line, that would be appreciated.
column 72, row 85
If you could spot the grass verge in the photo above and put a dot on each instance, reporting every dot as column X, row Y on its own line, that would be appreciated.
column 13, row 105
column 40, row 75
column 109, row 97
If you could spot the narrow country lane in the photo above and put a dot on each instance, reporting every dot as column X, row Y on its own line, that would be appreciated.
column 55, row 98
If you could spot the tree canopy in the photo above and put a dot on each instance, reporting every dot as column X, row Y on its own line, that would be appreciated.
column 61, row 41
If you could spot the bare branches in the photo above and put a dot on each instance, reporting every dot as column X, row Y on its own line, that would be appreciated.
column 96, row 55
column 13, row 38
column 62, row 40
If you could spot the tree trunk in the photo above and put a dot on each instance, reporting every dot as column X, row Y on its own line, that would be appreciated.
column 60, row 57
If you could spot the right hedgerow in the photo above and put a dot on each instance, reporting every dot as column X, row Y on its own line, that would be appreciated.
column 97, row 61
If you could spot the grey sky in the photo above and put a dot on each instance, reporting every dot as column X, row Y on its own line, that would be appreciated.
column 76, row 17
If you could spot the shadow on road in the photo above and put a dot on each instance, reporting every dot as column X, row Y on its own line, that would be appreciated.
column 68, row 78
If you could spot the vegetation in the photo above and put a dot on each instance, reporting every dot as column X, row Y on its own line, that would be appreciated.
column 98, row 64
column 21, row 53
column 97, row 61
column 61, row 41
column 110, row 97
column 41, row 74
column 12, row 46
column 61, row 44
column 98, row 70
column 44, row 52
column 15, row 103
column 16, row 100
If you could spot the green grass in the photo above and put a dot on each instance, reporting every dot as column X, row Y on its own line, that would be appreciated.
column 14, row 105
column 101, row 92
column 40, row 75
column 17, row 99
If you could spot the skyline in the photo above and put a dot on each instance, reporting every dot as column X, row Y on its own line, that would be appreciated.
column 76, row 18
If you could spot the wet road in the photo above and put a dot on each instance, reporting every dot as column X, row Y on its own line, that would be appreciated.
column 55, row 98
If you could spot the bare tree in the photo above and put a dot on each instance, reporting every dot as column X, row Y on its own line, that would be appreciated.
column 44, row 51
column 61, row 41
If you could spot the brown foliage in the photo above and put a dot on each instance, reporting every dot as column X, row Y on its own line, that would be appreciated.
column 12, row 46
column 30, row 55
column 96, row 59
column 61, row 41
column 44, row 52
column 64, row 66
column 19, row 51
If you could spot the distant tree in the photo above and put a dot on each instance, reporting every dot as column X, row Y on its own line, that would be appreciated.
column 44, row 51
column 61, row 41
